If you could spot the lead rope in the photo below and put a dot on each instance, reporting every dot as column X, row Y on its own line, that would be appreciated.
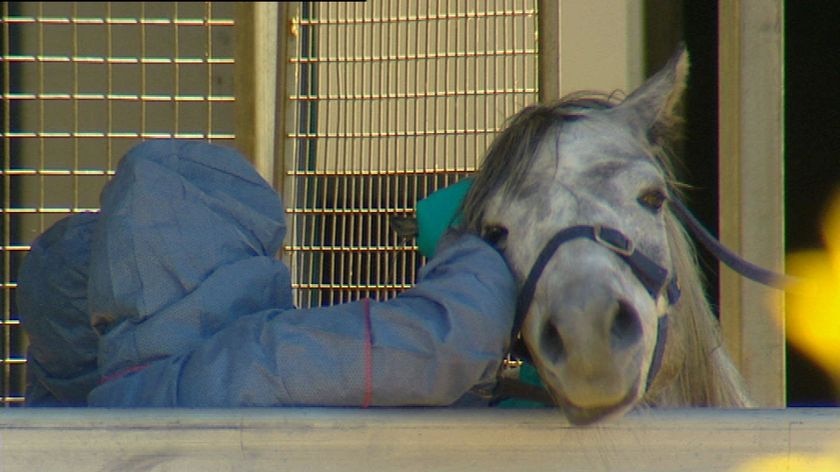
column 724, row 254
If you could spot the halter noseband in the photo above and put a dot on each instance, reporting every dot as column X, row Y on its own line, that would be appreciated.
column 650, row 274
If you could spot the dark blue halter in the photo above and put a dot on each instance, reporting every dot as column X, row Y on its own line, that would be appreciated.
column 651, row 275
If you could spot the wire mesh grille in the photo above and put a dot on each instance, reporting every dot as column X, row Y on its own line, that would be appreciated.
column 81, row 84
column 394, row 99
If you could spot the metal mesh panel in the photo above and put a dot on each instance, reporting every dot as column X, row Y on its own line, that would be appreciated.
column 82, row 83
column 393, row 99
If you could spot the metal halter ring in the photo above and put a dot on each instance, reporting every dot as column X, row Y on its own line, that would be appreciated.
column 625, row 249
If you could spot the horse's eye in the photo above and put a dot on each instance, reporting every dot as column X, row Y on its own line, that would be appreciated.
column 652, row 199
column 495, row 235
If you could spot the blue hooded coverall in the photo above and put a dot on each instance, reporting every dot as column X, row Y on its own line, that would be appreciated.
column 172, row 296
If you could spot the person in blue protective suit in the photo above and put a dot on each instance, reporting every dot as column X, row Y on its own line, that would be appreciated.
column 172, row 296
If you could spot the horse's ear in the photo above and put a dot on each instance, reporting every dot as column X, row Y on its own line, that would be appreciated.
column 651, row 108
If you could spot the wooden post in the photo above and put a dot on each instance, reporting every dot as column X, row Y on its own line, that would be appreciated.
column 256, row 76
column 549, row 59
column 285, row 80
column 751, row 120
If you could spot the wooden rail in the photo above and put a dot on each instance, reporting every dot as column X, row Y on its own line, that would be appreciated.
column 407, row 439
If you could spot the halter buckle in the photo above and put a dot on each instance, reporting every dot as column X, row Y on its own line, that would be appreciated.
column 626, row 249
column 510, row 367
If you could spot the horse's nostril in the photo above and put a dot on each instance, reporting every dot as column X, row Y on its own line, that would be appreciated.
column 551, row 343
column 626, row 329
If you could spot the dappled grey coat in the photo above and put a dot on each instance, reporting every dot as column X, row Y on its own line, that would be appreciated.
column 172, row 296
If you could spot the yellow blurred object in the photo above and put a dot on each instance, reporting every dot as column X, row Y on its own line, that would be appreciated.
column 812, row 325
column 813, row 304
column 792, row 463
column 813, row 308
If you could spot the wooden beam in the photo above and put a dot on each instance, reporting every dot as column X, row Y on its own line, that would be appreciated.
column 410, row 439
column 751, row 173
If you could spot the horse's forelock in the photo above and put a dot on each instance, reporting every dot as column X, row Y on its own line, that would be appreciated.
column 508, row 159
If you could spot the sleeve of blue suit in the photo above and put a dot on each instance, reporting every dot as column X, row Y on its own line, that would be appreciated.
column 191, row 307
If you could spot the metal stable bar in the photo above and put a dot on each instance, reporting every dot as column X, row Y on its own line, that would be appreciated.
column 399, row 99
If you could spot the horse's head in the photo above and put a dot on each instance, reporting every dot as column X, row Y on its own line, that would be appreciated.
column 594, row 323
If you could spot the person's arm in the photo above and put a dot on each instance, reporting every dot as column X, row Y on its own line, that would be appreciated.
column 429, row 345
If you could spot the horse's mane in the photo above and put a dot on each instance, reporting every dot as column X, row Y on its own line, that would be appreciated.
column 696, row 370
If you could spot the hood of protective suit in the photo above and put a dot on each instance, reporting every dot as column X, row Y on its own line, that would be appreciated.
column 184, row 227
